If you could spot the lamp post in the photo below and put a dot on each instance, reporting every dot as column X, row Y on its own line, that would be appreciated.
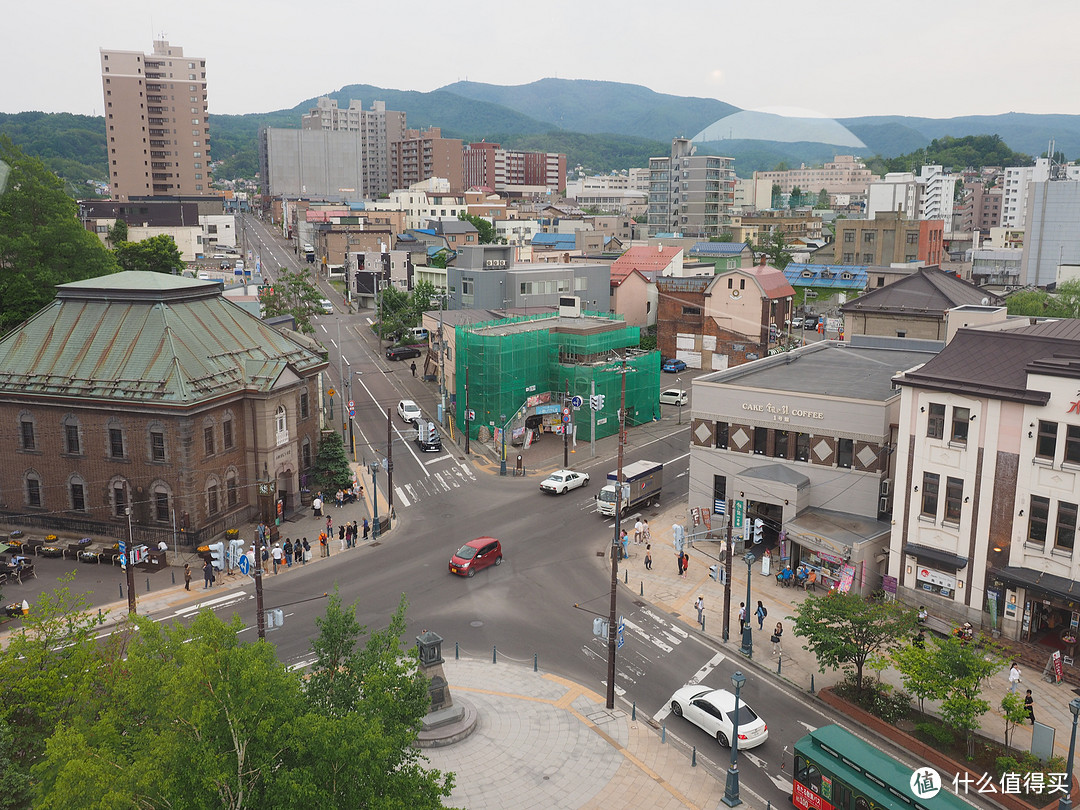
column 731, row 787
column 1065, row 802
column 747, row 648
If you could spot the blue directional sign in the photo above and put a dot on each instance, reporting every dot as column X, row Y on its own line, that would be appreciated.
column 123, row 554
column 244, row 564
column 577, row 402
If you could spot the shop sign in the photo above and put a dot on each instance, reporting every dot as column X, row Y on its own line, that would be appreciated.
column 832, row 558
column 936, row 578
column 782, row 411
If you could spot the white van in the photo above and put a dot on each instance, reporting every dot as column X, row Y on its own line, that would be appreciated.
column 419, row 334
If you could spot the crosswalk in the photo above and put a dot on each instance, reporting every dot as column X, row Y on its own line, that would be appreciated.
column 442, row 477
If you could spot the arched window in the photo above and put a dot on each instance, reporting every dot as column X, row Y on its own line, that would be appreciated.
column 77, row 494
column 119, row 496
column 155, row 437
column 27, row 432
column 209, row 446
column 213, row 495
column 114, row 436
column 160, row 502
column 72, row 436
column 281, row 426
column 232, row 488
column 305, row 454
column 228, row 440
column 33, row 492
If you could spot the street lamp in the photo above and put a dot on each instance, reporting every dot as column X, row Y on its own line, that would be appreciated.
column 731, row 788
column 747, row 648
column 1065, row 802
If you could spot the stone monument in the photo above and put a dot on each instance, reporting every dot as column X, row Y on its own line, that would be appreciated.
column 446, row 721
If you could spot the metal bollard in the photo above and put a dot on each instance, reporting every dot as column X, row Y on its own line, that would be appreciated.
column 811, row 683
column 663, row 732
column 534, row 663
column 494, row 655
column 626, row 576
column 780, row 664
column 643, row 587
column 121, row 591
column 633, row 710
column 148, row 584
column 173, row 577
column 693, row 758
column 457, row 654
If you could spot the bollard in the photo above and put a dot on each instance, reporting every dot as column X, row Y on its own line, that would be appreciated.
column 693, row 757
column 663, row 732
column 779, row 663
column 626, row 576
column 457, row 655
column 811, row 683
column 99, row 613
column 642, row 587
column 534, row 663
column 148, row 584
column 494, row 655
column 173, row 577
column 633, row 710
column 121, row 591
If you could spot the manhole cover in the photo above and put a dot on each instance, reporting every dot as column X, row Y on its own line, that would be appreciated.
column 476, row 624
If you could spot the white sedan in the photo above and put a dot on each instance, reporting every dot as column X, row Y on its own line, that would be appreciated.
column 674, row 396
column 713, row 710
column 408, row 410
column 563, row 481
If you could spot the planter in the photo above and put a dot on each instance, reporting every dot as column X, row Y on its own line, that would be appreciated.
column 931, row 756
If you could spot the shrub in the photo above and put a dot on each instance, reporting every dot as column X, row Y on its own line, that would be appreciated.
column 880, row 699
column 937, row 733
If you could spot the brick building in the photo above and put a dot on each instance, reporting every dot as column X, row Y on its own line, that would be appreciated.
column 889, row 237
column 155, row 393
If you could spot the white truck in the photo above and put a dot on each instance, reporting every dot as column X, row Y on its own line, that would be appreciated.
column 642, row 482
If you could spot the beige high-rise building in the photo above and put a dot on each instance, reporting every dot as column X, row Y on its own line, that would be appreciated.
column 156, row 122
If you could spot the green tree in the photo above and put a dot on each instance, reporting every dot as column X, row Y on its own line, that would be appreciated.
column 843, row 630
column 965, row 668
column 1067, row 299
column 774, row 247
column 777, row 197
column 155, row 254
column 395, row 313
column 1014, row 712
column 795, row 199
column 919, row 672
column 485, row 230
column 118, row 234
column 332, row 471
column 42, row 243
column 292, row 293
column 423, row 297
column 822, row 199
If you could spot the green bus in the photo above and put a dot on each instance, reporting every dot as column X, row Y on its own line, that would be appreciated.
column 835, row 770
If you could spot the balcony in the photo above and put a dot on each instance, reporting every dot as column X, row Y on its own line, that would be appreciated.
column 158, row 144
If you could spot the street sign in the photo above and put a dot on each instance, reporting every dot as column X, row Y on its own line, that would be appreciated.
column 738, row 515
column 566, row 418
column 470, row 415
column 576, row 401
column 565, row 411
column 244, row 564
column 123, row 555
column 352, row 408
column 330, row 392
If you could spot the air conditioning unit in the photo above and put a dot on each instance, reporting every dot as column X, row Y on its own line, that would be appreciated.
column 884, row 506
column 886, row 486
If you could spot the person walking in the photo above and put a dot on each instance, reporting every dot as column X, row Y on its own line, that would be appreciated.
column 412, row 366
column 777, row 634
column 742, row 616
column 761, row 613
column 276, row 554
column 355, row 533
column 648, row 558
column 266, row 559
column 324, row 551
column 329, row 526
column 637, row 532
column 1029, row 706
column 625, row 540
column 208, row 579
column 646, row 535
column 700, row 606
column 367, row 529
column 187, row 576
column 1014, row 677
column 685, row 565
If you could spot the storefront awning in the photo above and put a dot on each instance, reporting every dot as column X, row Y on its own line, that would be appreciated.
column 946, row 559
column 1062, row 587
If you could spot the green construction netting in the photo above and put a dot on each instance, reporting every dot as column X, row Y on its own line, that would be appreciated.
column 518, row 372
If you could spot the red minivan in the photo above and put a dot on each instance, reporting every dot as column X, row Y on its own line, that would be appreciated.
column 476, row 554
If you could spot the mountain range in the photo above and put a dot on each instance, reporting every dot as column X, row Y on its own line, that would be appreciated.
column 599, row 125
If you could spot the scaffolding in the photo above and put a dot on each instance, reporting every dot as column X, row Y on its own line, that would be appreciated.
column 519, row 370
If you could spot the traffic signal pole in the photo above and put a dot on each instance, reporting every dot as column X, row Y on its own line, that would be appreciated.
column 592, row 412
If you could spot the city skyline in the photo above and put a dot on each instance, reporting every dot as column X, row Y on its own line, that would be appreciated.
column 942, row 60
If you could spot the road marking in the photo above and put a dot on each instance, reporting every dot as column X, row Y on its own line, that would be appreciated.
column 301, row 665
column 346, row 359
column 780, row 782
column 652, row 639
column 443, row 484
column 438, row 459
column 323, row 327
column 411, row 491
column 401, row 497
column 370, row 322
column 211, row 602
column 710, row 665
column 807, row 726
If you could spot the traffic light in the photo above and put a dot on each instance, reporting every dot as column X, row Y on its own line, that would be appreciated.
column 596, row 402
column 217, row 556
column 759, row 530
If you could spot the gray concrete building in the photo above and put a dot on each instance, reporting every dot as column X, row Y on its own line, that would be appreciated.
column 321, row 164
column 1052, row 230
column 689, row 193
column 378, row 126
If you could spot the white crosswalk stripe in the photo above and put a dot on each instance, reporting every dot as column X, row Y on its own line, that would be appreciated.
column 402, row 499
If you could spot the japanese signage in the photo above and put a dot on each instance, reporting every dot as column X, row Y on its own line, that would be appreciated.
column 782, row 412
column 738, row 515
column 806, row 799
column 936, row 578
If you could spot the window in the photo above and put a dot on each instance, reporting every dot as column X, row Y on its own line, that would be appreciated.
column 802, row 446
column 281, row 426
column 761, row 440
column 780, row 445
column 868, row 258
column 849, row 258
column 868, row 237
column 935, row 422
column 930, row 483
column 157, row 445
column 1072, row 444
column 1040, row 516
column 77, row 495
column 213, row 505
column 722, row 435
column 954, row 494
column 232, row 488
column 116, row 442
column 71, row 438
column 227, row 433
column 960, row 420
column 119, row 498
column 691, row 310
column 719, row 493
column 1046, row 441
column 160, row 497
column 1065, row 533
column 849, row 236
column 845, row 452
column 26, row 435
column 913, row 237
column 208, row 440
column 305, row 455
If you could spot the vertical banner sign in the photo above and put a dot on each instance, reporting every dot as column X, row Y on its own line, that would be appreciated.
column 738, row 514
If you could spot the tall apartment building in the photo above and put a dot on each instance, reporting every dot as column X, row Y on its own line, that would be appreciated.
column 378, row 127
column 889, row 238
column 845, row 175
column 488, row 165
column 156, row 121
column 926, row 195
column 1017, row 187
column 689, row 193
column 978, row 208
column 1051, row 238
column 422, row 155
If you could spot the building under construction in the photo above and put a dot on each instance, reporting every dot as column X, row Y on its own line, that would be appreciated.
column 520, row 375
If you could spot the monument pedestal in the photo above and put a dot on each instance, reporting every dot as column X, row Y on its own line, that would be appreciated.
column 446, row 722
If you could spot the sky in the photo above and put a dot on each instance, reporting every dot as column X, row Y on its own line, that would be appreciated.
column 838, row 58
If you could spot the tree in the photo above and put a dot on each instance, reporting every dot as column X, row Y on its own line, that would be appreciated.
column 965, row 667
column 795, row 198
column 118, row 233
column 155, row 254
column 822, row 199
column 42, row 243
column 774, row 247
column 919, row 673
column 485, row 230
column 293, row 293
column 777, row 196
column 843, row 629
column 423, row 298
column 332, row 471
column 1012, row 708
column 395, row 313
column 1067, row 299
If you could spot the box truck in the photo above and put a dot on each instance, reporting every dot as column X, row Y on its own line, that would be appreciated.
column 642, row 482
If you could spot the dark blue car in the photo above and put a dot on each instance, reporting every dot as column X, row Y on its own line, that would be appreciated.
column 673, row 366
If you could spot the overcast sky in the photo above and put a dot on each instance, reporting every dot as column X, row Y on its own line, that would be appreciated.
column 935, row 58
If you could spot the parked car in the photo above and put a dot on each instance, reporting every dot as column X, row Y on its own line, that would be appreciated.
column 476, row 554
column 562, row 481
column 327, row 307
column 810, row 323
column 402, row 352
column 673, row 366
column 713, row 711
column 408, row 410
column 797, row 322
column 674, row 396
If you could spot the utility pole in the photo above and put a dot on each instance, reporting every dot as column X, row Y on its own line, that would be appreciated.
column 389, row 466
column 342, row 381
column 616, row 550
column 257, row 564
column 566, row 428
column 592, row 411
column 727, row 567
column 466, row 420
column 129, row 567
column 442, row 363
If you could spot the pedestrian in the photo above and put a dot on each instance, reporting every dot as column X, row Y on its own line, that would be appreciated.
column 684, row 563
column 637, row 532
column 646, row 535
column 761, row 613
column 316, row 504
column 341, row 536
column 329, row 526
column 266, row 558
column 367, row 528
column 412, row 366
column 648, row 558
column 777, row 634
column 288, row 549
column 625, row 540
column 1029, row 706
column 742, row 616
column 323, row 550
column 208, row 577
column 276, row 553
column 339, row 497
column 187, row 576
column 307, row 552
column 678, row 562
column 355, row 533
column 1014, row 677
column 700, row 606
